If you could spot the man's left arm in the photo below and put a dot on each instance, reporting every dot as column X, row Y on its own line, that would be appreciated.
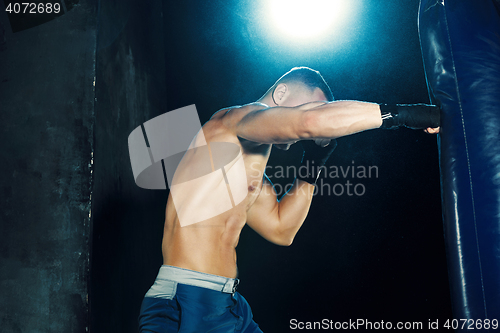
column 279, row 220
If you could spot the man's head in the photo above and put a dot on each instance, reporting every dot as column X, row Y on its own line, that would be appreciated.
column 298, row 86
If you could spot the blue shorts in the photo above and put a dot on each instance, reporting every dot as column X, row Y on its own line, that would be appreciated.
column 183, row 300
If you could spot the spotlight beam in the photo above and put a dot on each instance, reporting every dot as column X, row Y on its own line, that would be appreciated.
column 305, row 19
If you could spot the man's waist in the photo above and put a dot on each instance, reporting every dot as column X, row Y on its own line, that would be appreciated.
column 197, row 279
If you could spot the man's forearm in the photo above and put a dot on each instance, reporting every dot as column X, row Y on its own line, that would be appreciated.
column 293, row 208
column 341, row 118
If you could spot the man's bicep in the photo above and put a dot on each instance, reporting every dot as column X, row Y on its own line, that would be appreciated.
column 273, row 125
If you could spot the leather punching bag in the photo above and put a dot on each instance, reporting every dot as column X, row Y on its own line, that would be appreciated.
column 460, row 43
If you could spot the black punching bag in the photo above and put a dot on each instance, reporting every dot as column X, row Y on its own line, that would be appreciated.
column 460, row 41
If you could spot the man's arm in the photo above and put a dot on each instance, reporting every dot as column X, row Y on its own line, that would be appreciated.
column 279, row 221
column 317, row 120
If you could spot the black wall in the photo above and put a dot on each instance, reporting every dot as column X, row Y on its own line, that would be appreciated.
column 46, row 115
column 72, row 89
column 127, row 220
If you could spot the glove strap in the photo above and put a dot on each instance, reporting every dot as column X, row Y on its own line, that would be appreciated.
column 390, row 116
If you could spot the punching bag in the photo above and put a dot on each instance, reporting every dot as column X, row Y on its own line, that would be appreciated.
column 460, row 41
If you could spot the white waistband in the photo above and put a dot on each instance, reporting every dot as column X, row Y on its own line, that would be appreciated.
column 198, row 279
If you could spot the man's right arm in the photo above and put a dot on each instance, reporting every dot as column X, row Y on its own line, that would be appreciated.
column 316, row 120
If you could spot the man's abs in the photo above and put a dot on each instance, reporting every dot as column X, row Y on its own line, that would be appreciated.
column 208, row 246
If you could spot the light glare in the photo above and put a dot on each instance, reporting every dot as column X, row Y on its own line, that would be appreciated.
column 304, row 19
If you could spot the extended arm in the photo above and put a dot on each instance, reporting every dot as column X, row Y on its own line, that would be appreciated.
column 317, row 120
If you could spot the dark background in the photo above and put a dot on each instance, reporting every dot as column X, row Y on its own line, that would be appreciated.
column 47, row 120
column 379, row 256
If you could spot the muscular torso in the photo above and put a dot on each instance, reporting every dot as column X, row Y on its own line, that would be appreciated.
column 210, row 246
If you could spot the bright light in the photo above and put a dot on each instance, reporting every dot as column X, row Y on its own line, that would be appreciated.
column 305, row 18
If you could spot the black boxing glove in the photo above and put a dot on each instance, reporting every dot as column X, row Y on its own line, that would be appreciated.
column 313, row 159
column 414, row 116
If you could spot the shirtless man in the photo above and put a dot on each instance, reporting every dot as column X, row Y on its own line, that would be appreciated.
column 195, row 290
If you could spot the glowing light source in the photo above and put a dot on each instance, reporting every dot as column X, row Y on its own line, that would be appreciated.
column 305, row 18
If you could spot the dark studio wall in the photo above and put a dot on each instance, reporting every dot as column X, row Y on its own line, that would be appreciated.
column 65, row 164
column 127, row 220
column 47, row 76
column 378, row 256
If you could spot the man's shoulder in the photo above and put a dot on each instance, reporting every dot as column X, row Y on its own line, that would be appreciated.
column 224, row 121
column 231, row 116
column 239, row 110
